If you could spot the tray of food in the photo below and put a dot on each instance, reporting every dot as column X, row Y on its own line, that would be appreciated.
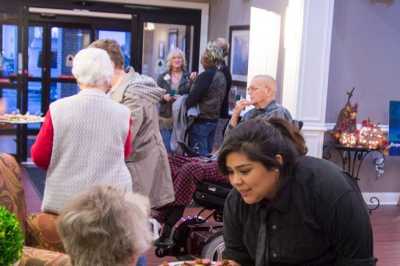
column 20, row 119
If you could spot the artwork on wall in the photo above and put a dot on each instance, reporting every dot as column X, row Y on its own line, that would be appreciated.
column 394, row 128
column 239, row 52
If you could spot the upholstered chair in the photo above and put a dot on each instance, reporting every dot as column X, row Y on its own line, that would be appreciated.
column 40, row 229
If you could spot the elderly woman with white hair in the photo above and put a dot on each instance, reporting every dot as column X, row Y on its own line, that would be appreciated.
column 84, row 138
column 105, row 227
column 175, row 81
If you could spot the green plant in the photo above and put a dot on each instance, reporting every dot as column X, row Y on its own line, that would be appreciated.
column 11, row 238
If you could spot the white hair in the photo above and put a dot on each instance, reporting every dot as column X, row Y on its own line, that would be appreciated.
column 92, row 66
column 171, row 54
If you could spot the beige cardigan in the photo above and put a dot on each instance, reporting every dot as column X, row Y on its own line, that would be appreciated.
column 148, row 163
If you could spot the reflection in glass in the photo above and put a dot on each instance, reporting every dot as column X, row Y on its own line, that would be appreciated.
column 34, row 101
column 10, row 97
column 123, row 39
column 9, row 52
column 158, row 40
column 65, row 43
column 34, row 97
column 35, row 51
column 60, row 90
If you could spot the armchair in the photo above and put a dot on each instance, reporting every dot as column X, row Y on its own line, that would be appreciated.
column 39, row 228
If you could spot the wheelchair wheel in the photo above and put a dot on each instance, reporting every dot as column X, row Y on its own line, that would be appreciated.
column 213, row 249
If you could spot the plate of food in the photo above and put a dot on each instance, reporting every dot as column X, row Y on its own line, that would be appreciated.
column 198, row 262
column 20, row 119
column 188, row 263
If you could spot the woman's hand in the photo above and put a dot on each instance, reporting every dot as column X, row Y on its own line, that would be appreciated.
column 167, row 97
column 193, row 76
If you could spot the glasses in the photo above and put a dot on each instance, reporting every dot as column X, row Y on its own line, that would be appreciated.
column 251, row 89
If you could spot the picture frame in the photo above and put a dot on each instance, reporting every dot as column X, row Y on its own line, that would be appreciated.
column 239, row 52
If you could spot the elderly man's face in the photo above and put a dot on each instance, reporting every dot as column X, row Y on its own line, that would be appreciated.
column 259, row 92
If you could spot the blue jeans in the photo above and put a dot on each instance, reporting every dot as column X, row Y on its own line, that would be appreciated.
column 142, row 261
column 166, row 136
column 201, row 137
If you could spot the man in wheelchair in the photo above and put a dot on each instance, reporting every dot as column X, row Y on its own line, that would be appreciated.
column 191, row 173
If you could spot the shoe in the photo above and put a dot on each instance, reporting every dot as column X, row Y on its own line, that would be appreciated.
column 165, row 240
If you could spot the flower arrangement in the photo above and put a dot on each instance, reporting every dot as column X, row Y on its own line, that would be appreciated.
column 11, row 238
column 369, row 136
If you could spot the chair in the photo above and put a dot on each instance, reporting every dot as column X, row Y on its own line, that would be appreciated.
column 41, row 257
column 40, row 230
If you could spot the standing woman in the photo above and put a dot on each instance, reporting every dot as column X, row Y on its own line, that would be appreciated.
column 84, row 138
column 176, row 82
column 287, row 208
column 148, row 163
column 207, row 93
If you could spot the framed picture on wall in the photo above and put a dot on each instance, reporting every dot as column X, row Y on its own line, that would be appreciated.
column 239, row 52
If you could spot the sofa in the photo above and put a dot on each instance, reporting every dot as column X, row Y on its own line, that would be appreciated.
column 44, row 246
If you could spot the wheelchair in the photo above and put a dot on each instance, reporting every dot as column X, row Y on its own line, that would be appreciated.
column 198, row 236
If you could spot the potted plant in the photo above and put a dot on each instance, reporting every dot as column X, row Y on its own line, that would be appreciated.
column 11, row 238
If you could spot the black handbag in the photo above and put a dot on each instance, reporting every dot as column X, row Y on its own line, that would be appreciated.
column 211, row 195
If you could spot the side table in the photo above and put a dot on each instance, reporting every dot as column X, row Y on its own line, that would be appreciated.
column 352, row 159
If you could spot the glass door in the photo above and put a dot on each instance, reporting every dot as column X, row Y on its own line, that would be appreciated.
column 50, row 53
column 9, row 66
column 158, row 40
column 8, row 82
column 65, row 43
column 124, row 39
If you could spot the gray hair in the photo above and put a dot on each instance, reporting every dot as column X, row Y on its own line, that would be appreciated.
column 105, row 227
column 212, row 55
column 171, row 54
column 223, row 44
column 92, row 66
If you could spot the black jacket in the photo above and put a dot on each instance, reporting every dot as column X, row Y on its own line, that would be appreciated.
column 165, row 83
column 208, row 92
column 318, row 218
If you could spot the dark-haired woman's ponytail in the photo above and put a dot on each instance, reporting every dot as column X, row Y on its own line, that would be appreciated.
column 291, row 132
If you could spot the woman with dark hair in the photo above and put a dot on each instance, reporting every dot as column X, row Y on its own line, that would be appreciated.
column 287, row 208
